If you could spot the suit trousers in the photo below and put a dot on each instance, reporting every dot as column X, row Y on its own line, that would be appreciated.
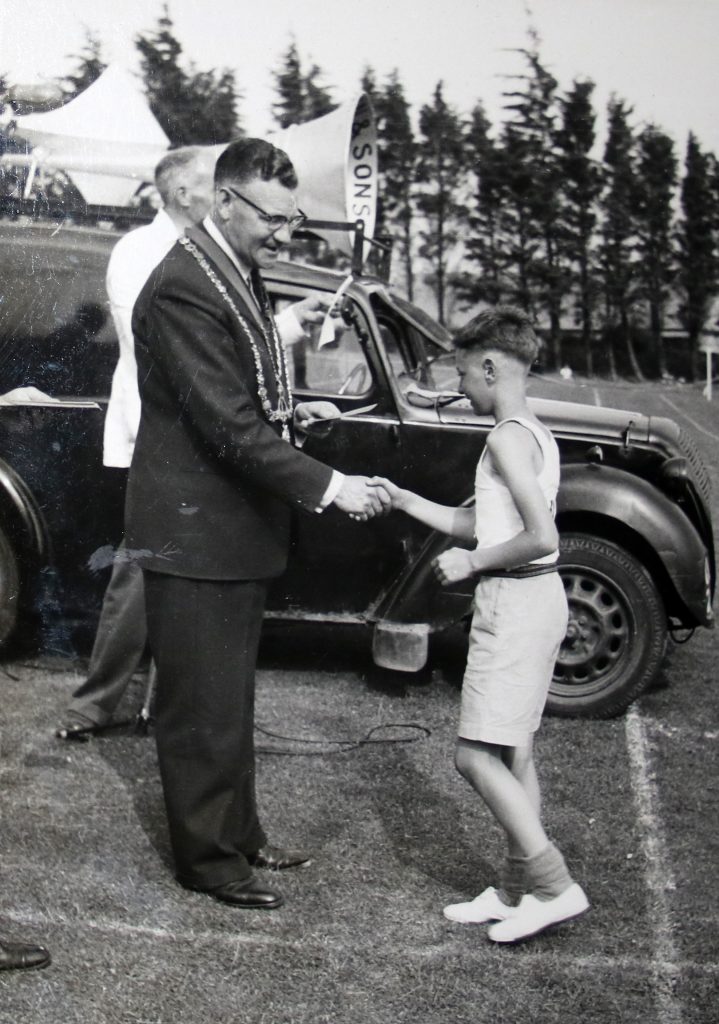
column 119, row 644
column 204, row 636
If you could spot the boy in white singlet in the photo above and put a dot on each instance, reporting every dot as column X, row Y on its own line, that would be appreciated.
column 519, row 621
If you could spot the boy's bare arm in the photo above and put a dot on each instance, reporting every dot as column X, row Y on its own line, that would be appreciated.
column 515, row 462
column 455, row 522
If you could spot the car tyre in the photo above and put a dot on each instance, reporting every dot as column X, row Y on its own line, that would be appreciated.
column 9, row 588
column 617, row 633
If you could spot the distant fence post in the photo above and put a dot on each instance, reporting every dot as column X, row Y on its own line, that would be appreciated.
column 709, row 343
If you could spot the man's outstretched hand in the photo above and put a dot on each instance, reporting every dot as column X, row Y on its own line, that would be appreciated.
column 362, row 500
column 310, row 414
column 313, row 309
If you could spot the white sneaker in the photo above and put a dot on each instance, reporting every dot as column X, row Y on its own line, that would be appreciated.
column 485, row 907
column 533, row 915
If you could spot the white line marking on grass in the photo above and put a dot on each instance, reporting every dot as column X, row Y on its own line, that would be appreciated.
column 597, row 399
column 658, row 874
column 110, row 927
column 557, row 962
column 595, row 961
column 697, row 426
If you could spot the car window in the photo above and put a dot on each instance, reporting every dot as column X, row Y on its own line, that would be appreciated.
column 442, row 371
column 398, row 355
column 55, row 330
column 414, row 358
column 329, row 359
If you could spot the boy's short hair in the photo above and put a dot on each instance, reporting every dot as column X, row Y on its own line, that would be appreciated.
column 506, row 329
column 247, row 159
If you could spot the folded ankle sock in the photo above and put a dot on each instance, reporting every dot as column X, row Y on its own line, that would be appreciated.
column 512, row 880
column 546, row 874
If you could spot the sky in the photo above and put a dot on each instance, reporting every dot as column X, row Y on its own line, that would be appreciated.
column 659, row 55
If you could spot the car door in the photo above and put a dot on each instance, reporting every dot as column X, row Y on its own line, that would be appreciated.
column 338, row 566
column 56, row 336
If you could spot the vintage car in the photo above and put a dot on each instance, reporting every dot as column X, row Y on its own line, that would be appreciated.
column 637, row 559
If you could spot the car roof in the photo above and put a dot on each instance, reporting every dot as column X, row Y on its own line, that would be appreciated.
column 97, row 238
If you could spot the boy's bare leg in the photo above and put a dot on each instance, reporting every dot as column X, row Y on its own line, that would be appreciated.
column 520, row 761
column 507, row 783
column 514, row 807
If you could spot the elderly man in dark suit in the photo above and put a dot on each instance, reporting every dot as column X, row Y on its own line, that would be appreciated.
column 213, row 481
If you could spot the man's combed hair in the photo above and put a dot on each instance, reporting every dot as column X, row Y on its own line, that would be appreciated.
column 247, row 159
column 502, row 328
column 173, row 166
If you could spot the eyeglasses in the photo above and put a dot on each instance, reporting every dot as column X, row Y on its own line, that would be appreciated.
column 274, row 221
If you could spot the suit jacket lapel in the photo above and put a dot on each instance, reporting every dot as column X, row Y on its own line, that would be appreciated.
column 228, row 270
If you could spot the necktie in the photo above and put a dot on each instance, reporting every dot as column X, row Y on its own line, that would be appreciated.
column 257, row 288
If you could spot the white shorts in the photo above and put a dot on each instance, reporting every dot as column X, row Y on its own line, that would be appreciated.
column 517, row 628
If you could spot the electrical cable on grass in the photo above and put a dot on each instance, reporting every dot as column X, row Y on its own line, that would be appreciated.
column 343, row 746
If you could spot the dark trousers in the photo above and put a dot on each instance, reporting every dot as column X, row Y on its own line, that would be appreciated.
column 204, row 636
column 119, row 643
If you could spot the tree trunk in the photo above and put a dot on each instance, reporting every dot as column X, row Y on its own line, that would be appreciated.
column 440, row 268
column 408, row 270
column 555, row 335
column 695, row 367
column 586, row 310
column 627, row 337
column 655, row 319
column 587, row 346
column 612, row 359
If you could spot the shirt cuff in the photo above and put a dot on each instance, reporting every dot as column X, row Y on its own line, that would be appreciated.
column 289, row 327
column 332, row 491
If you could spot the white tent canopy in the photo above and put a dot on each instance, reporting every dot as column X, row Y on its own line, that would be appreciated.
column 106, row 139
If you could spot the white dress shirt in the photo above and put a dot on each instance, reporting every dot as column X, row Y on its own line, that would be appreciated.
column 131, row 262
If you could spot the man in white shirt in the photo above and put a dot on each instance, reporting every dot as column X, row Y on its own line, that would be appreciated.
column 184, row 181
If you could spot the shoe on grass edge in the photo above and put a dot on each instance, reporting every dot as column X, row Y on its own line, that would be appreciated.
column 533, row 915
column 485, row 907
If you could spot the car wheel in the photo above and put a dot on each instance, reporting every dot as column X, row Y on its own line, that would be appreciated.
column 9, row 588
column 617, row 630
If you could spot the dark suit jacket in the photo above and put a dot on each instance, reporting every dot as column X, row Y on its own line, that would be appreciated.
column 212, row 482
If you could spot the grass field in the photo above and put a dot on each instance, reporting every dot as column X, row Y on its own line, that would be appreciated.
column 396, row 834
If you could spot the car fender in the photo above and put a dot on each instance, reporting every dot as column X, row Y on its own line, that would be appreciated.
column 595, row 499
column 611, row 501
column 22, row 517
column 415, row 605
column 415, row 596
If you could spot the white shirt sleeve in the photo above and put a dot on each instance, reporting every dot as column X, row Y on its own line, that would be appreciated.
column 332, row 491
column 289, row 327
column 131, row 262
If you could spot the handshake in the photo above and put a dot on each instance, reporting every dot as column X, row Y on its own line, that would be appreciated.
column 363, row 497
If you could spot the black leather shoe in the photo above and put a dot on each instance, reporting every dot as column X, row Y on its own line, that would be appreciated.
column 20, row 956
column 274, row 858
column 248, row 894
column 77, row 728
